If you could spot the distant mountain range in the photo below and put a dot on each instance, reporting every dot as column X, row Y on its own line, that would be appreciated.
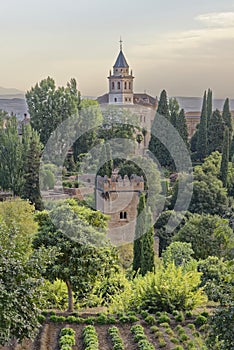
column 13, row 101
column 9, row 93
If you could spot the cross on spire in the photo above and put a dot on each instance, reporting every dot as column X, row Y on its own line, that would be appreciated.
column 121, row 43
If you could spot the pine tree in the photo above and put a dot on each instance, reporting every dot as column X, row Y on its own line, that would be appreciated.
column 215, row 133
column 147, row 255
column 202, row 131
column 225, row 158
column 209, row 106
column 31, row 188
column 181, row 126
column 155, row 146
column 139, row 230
column 227, row 118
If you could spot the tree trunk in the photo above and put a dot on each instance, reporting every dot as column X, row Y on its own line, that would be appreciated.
column 70, row 297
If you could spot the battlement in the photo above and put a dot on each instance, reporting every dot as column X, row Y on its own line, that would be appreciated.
column 118, row 184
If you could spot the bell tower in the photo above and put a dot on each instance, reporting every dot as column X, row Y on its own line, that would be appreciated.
column 121, row 81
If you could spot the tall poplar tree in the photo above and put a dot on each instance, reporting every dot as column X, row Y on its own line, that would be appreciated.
column 202, row 131
column 225, row 158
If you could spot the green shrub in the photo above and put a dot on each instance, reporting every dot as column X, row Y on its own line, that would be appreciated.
column 200, row 320
column 112, row 320
column 90, row 320
column 102, row 319
column 164, row 318
column 116, row 339
column 179, row 347
column 158, row 334
column 41, row 318
column 67, row 340
column 183, row 337
column 191, row 326
column 71, row 319
column 169, row 331
column 154, row 329
column 144, row 313
column 174, row 340
column 165, row 325
column 57, row 319
column 169, row 288
column 179, row 317
column 66, row 347
column 151, row 320
column 90, row 338
column 188, row 314
column 140, row 338
column 124, row 319
column 67, row 331
column 161, row 343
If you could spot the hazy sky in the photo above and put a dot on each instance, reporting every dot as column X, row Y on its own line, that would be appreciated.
column 180, row 45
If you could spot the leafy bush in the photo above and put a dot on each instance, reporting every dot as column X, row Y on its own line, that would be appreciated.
column 102, row 319
column 150, row 320
column 178, row 252
column 217, row 279
column 71, row 319
column 200, row 320
column 164, row 318
column 57, row 319
column 179, row 317
column 169, row 288
column 221, row 329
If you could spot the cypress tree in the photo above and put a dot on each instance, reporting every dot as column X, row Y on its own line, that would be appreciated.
column 163, row 107
column 227, row 118
column 181, row 126
column 225, row 158
column 174, row 110
column 209, row 106
column 215, row 133
column 155, row 145
column 147, row 255
column 231, row 150
column 109, row 167
column 139, row 230
column 202, row 131
column 104, row 169
column 31, row 188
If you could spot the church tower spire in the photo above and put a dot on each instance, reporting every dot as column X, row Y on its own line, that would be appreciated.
column 121, row 81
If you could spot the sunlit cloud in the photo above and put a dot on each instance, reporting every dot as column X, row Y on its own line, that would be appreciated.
column 217, row 19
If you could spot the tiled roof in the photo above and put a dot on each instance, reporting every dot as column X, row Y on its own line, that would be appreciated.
column 121, row 61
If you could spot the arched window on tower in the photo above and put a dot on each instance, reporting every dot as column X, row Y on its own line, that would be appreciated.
column 113, row 85
column 118, row 85
column 125, row 85
column 130, row 85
